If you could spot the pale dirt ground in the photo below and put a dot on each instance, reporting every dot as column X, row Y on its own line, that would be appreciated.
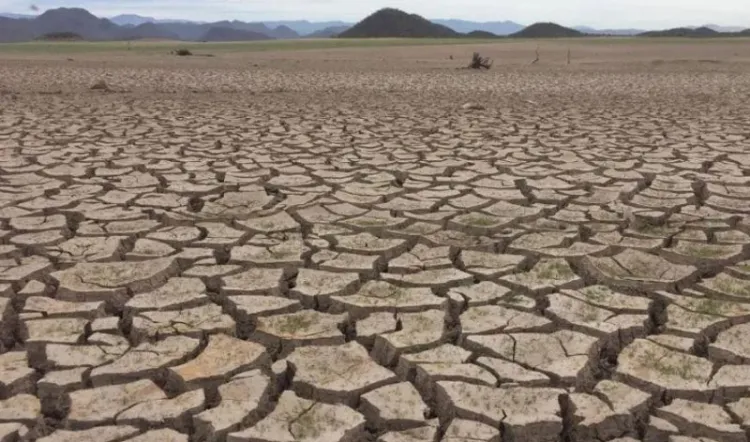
column 333, row 246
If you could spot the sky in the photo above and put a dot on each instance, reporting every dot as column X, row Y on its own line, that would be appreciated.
column 598, row 13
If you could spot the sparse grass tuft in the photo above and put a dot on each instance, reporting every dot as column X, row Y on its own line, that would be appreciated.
column 709, row 307
column 679, row 369
column 370, row 222
column 596, row 293
column 479, row 220
column 706, row 251
column 731, row 286
column 293, row 324
column 589, row 313
column 555, row 269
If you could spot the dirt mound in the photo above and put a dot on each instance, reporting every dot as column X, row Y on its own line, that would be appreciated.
column 391, row 22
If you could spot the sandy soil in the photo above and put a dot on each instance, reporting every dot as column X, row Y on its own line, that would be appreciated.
column 371, row 244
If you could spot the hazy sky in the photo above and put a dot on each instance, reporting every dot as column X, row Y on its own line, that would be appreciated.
column 599, row 13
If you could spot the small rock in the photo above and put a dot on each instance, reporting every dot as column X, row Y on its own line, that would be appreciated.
column 100, row 85
column 472, row 106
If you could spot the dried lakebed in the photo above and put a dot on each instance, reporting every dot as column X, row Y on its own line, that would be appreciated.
column 248, row 272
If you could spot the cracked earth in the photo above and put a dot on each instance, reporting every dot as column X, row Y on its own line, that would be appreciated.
column 343, row 262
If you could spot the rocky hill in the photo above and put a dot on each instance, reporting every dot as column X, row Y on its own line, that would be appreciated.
column 75, row 20
column 391, row 22
column 547, row 30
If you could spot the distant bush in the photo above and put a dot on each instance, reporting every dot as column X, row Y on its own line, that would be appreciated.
column 183, row 52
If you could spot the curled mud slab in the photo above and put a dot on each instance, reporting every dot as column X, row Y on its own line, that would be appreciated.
column 328, row 246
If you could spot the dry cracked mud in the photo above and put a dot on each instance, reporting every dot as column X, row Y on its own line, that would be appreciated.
column 328, row 247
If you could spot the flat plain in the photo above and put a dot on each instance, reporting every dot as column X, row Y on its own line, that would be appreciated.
column 361, row 241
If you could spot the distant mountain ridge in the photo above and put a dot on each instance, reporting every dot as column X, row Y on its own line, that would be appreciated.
column 218, row 33
column 89, row 27
column 25, row 27
column 623, row 32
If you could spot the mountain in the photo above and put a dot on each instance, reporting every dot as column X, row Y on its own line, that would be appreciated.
column 242, row 26
column 333, row 31
column 391, row 22
column 701, row 32
column 147, row 30
column 131, row 20
column 547, row 30
column 15, row 30
column 217, row 33
column 22, row 16
column 197, row 31
column 75, row 20
column 282, row 32
column 300, row 27
column 384, row 23
column 135, row 20
column 719, row 28
column 495, row 27
column 624, row 32
column 304, row 27
column 186, row 31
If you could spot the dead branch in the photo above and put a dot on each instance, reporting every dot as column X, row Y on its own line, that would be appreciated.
column 479, row 62
column 536, row 60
